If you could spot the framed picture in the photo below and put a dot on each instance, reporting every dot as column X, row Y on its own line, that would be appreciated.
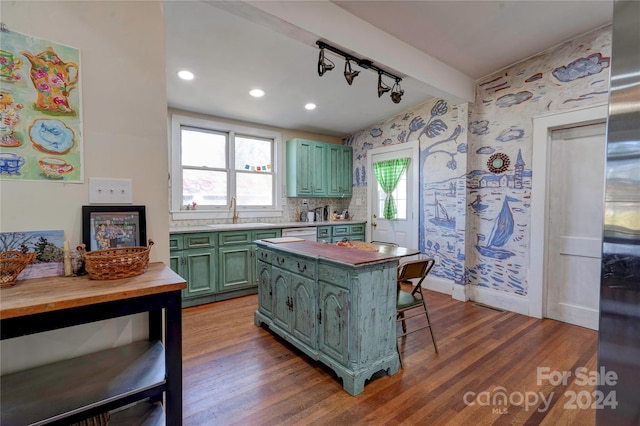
column 106, row 227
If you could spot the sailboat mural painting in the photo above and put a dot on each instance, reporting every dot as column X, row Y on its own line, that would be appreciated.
column 442, row 218
column 500, row 234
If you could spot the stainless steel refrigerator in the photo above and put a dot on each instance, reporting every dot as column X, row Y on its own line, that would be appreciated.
column 619, row 332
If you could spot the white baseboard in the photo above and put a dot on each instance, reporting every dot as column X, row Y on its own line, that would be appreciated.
column 441, row 285
column 499, row 299
column 460, row 292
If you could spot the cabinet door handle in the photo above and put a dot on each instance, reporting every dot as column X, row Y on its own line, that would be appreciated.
column 319, row 316
column 304, row 267
column 280, row 260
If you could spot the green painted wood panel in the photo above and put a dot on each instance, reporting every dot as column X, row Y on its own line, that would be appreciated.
column 265, row 289
column 340, row 170
column 201, row 272
column 304, row 320
column 234, row 237
column 199, row 240
column 236, row 267
column 176, row 242
column 281, row 310
column 346, row 183
column 176, row 262
column 334, row 317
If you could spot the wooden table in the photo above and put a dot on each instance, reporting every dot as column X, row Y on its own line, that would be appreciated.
column 71, row 390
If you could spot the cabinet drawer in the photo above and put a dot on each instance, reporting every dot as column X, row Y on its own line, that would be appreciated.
column 297, row 265
column 264, row 256
column 340, row 230
column 198, row 240
column 356, row 229
column 176, row 242
column 333, row 275
column 234, row 237
column 324, row 232
column 261, row 234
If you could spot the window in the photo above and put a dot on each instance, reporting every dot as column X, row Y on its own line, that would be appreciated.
column 213, row 162
column 399, row 195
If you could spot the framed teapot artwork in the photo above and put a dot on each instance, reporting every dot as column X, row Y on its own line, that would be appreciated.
column 40, row 114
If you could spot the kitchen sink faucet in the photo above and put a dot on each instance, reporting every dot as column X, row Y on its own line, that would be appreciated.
column 234, row 204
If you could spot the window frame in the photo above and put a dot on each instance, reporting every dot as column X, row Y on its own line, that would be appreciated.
column 177, row 121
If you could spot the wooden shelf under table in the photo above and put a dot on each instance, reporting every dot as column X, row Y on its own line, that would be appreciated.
column 71, row 390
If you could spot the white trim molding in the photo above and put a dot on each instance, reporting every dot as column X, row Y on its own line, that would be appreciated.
column 500, row 299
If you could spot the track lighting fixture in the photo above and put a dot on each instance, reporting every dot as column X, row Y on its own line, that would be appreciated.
column 325, row 64
column 348, row 73
column 396, row 93
column 382, row 88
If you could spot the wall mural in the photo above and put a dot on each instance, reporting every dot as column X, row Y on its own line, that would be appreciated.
column 499, row 179
column 440, row 130
column 475, row 166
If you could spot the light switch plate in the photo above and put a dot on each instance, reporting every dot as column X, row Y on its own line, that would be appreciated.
column 110, row 191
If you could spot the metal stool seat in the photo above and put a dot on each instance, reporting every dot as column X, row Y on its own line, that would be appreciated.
column 408, row 271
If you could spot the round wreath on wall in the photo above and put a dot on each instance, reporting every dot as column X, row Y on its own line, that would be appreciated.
column 498, row 163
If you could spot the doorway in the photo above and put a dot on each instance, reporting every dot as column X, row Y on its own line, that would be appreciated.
column 561, row 248
column 574, row 223
column 403, row 229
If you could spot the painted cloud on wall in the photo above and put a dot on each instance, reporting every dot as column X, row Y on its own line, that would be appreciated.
column 513, row 99
column 582, row 67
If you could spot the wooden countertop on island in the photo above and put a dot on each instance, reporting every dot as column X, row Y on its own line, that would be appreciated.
column 39, row 295
column 345, row 255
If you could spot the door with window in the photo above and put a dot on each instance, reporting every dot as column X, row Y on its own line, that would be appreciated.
column 394, row 219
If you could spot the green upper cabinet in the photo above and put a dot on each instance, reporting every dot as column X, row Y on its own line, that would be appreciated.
column 340, row 176
column 318, row 169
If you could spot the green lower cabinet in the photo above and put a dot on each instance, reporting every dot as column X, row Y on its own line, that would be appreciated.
column 201, row 272
column 193, row 257
column 217, row 265
column 281, row 298
column 303, row 307
column 176, row 263
column 265, row 288
column 294, row 309
column 333, row 319
column 335, row 233
column 238, row 260
column 237, row 270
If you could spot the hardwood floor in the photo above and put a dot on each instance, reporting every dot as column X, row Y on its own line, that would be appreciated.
column 237, row 373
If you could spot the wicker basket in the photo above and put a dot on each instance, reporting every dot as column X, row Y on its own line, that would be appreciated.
column 115, row 263
column 12, row 262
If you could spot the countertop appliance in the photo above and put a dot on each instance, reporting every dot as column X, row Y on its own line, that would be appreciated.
column 308, row 234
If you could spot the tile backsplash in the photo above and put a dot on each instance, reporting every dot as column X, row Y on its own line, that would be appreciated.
column 291, row 209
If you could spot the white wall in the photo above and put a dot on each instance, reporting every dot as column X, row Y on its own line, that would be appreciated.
column 124, row 107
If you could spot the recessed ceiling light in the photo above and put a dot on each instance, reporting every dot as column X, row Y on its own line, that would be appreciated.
column 310, row 106
column 257, row 93
column 185, row 75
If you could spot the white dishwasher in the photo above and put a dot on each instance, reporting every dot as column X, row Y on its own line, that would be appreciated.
column 308, row 233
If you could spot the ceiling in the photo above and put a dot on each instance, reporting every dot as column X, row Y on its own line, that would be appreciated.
column 439, row 47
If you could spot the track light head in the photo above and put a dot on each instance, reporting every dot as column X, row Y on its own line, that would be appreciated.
column 396, row 93
column 348, row 73
column 382, row 88
column 324, row 64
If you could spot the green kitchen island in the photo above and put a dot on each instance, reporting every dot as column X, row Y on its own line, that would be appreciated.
column 335, row 304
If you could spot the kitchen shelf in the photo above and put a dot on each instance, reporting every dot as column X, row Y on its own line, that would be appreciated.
column 96, row 382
